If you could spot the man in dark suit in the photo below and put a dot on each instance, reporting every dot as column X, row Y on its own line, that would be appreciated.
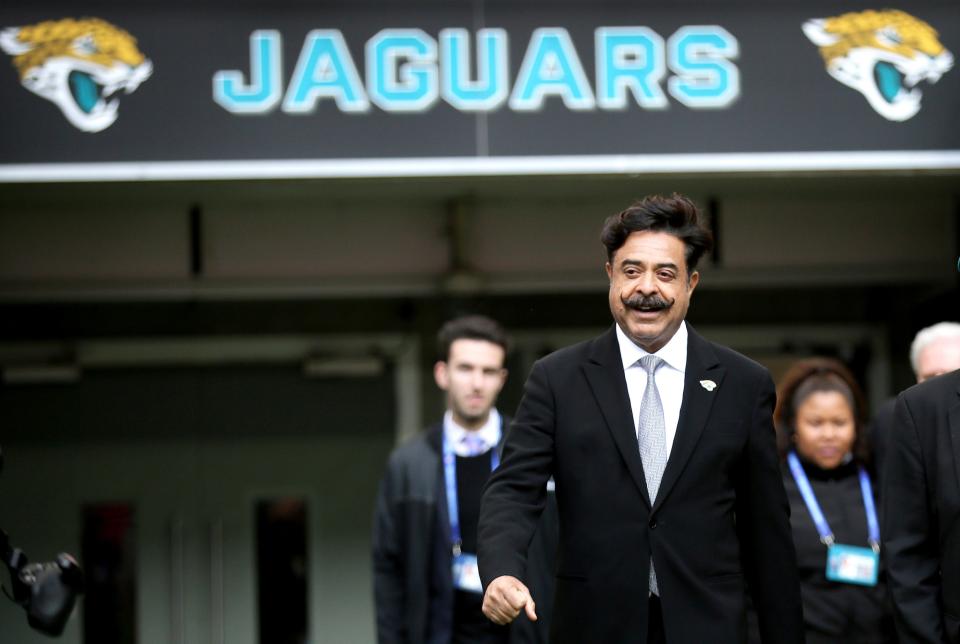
column 668, row 485
column 935, row 350
column 921, row 498
column 426, row 585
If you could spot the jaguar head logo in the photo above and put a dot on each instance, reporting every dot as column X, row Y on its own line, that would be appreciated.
column 884, row 55
column 81, row 66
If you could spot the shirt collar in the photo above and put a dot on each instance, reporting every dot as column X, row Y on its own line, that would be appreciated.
column 490, row 432
column 674, row 352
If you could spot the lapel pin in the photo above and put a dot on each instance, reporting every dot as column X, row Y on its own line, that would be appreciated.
column 709, row 385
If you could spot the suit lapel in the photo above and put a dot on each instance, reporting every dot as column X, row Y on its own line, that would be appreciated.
column 604, row 372
column 702, row 365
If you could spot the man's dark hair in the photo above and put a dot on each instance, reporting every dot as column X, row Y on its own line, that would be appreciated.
column 470, row 327
column 675, row 215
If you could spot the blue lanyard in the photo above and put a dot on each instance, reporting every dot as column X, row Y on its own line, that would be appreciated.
column 450, row 477
column 826, row 535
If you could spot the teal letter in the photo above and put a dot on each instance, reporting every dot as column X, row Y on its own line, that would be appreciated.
column 551, row 67
column 266, row 78
column 630, row 59
column 402, row 70
column 700, row 57
column 489, row 91
column 325, row 68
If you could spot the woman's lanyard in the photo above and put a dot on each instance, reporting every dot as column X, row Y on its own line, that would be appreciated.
column 826, row 535
column 450, row 477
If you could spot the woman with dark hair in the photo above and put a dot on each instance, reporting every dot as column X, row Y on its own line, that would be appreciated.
column 820, row 418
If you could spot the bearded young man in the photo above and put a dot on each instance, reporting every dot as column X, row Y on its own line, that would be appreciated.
column 426, row 583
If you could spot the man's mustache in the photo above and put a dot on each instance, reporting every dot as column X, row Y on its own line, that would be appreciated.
column 646, row 303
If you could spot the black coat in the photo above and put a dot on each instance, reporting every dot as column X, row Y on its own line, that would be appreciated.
column 879, row 437
column 721, row 516
column 412, row 577
column 836, row 612
column 921, row 496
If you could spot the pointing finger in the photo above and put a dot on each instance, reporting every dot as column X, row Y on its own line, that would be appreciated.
column 531, row 610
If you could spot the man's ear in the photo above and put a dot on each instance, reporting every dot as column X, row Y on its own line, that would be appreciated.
column 694, row 280
column 609, row 268
column 441, row 375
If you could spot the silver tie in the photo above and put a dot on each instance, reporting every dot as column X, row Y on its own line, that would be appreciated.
column 652, row 437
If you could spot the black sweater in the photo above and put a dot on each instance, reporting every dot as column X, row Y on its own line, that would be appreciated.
column 836, row 612
column 470, row 626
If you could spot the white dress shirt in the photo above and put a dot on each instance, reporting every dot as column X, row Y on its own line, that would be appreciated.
column 455, row 433
column 669, row 377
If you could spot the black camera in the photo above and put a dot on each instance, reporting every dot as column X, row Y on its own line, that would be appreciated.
column 47, row 591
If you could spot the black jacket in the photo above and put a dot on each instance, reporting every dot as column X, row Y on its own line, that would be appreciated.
column 720, row 517
column 836, row 612
column 879, row 430
column 921, row 527
column 412, row 578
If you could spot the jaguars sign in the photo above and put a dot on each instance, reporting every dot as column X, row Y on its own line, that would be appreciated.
column 480, row 87
column 81, row 66
column 407, row 70
column 884, row 55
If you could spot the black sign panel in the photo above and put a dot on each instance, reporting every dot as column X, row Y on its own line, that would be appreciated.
column 482, row 80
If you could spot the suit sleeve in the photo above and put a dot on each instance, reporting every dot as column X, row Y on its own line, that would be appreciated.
column 515, row 495
column 910, row 534
column 539, row 578
column 388, row 579
column 763, row 524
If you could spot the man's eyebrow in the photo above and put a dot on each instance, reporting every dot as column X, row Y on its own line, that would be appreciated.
column 637, row 262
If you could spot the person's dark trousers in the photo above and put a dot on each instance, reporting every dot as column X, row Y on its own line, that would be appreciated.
column 655, row 634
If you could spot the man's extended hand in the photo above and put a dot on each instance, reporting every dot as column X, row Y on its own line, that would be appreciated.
column 506, row 596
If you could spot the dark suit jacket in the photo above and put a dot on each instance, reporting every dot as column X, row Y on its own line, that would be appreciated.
column 412, row 576
column 720, row 522
column 922, row 519
column 879, row 431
